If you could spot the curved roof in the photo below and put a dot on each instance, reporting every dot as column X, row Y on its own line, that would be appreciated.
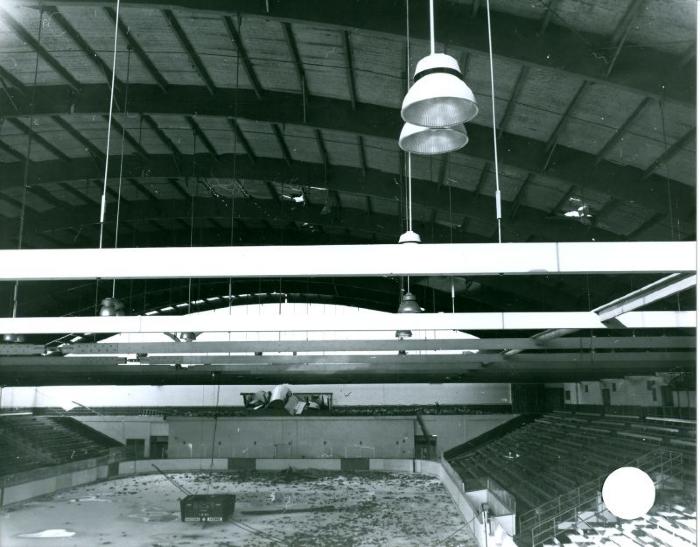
column 277, row 122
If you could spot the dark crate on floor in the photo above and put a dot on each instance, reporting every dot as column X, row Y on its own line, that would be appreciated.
column 207, row 507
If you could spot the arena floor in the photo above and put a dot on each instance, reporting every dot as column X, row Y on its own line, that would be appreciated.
column 293, row 508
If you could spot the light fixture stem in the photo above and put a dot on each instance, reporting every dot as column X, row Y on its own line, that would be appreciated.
column 493, row 124
column 103, row 200
column 410, row 197
column 432, row 28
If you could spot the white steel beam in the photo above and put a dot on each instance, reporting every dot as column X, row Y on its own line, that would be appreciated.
column 282, row 323
column 349, row 260
column 658, row 290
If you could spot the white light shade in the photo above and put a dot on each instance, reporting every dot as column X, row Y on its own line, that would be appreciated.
column 439, row 97
column 429, row 141
column 628, row 493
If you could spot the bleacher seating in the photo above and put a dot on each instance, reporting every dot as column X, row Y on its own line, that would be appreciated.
column 559, row 451
column 28, row 442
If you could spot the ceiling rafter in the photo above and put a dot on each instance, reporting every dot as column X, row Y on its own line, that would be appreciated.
column 346, row 179
column 296, row 59
column 622, row 31
column 568, row 52
column 167, row 141
column 58, row 18
column 522, row 76
column 143, row 189
column 352, row 87
column 136, row 145
column 87, row 144
column 274, row 194
column 561, row 125
column 111, row 192
column 444, row 167
column 321, row 148
column 669, row 152
column 47, row 196
column 190, row 50
column 197, row 129
column 32, row 42
column 605, row 210
column 572, row 166
column 243, row 54
column 548, row 14
column 282, row 144
column 140, row 52
column 12, row 152
column 564, row 199
column 12, row 81
column 621, row 130
column 174, row 183
column 241, row 138
column 483, row 177
column 363, row 156
column 36, row 137
column 517, row 200
column 75, row 192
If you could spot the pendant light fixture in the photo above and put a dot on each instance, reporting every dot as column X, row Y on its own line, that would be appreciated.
column 428, row 141
column 439, row 97
column 110, row 306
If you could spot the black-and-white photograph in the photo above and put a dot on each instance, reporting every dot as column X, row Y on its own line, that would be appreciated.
column 348, row 273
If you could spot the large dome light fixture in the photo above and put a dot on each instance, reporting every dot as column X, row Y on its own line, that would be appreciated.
column 439, row 97
column 428, row 141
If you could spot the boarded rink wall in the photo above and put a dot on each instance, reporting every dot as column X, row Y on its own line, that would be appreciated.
column 25, row 485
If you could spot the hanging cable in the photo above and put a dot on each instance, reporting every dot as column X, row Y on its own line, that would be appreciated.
column 493, row 124
column 103, row 200
column 192, row 195
column 432, row 28
column 121, row 162
column 25, row 182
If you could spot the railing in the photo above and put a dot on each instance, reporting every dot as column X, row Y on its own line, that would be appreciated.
column 685, row 413
column 543, row 523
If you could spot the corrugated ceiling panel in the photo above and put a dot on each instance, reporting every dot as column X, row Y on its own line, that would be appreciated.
column 321, row 50
column 261, row 138
column 97, row 29
column 269, row 54
column 302, row 144
column 211, row 40
column 153, row 32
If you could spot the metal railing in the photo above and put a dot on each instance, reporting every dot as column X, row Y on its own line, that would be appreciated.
column 544, row 522
column 685, row 413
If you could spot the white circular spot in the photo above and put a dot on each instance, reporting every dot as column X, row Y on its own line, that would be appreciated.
column 628, row 493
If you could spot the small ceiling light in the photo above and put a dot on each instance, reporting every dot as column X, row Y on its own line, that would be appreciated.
column 409, row 304
column 111, row 307
column 429, row 141
column 401, row 334
column 13, row 338
column 188, row 336
column 439, row 97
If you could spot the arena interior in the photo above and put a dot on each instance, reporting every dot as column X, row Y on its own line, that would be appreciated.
column 347, row 272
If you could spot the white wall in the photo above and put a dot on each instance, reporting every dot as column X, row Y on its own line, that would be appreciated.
column 631, row 391
column 205, row 395
column 453, row 430
column 121, row 428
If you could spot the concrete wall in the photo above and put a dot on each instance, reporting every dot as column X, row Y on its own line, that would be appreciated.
column 452, row 430
column 288, row 437
column 205, row 395
column 121, row 428
column 629, row 391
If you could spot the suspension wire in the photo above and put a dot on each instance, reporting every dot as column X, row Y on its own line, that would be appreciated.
column 213, row 437
column 452, row 279
column 25, row 183
column 121, row 161
column 192, row 195
column 409, row 215
column 493, row 123
column 432, row 28
column 668, row 180
column 103, row 200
